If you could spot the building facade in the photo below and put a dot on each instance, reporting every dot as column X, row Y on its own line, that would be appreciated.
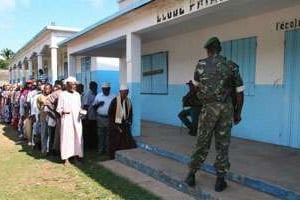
column 159, row 43
column 41, row 52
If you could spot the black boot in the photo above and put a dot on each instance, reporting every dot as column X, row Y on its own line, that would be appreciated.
column 190, row 179
column 221, row 184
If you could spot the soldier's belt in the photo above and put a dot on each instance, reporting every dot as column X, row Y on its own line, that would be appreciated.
column 214, row 100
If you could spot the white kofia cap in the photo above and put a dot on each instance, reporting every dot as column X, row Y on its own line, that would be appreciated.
column 123, row 87
column 105, row 85
column 71, row 79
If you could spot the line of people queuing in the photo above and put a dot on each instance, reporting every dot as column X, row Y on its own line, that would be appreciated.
column 61, row 119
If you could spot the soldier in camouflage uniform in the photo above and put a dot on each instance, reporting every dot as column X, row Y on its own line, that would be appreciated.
column 218, row 82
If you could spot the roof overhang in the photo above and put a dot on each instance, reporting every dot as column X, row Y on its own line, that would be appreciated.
column 226, row 12
column 45, row 30
column 118, row 14
column 113, row 48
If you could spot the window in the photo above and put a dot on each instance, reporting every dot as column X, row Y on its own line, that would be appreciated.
column 154, row 73
column 243, row 53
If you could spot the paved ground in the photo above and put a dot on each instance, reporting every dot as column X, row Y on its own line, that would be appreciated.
column 26, row 175
column 156, row 187
column 275, row 164
column 170, row 171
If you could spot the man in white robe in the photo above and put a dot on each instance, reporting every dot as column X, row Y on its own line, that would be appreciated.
column 69, row 106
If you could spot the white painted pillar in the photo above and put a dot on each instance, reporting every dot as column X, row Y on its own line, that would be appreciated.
column 71, row 65
column 133, row 62
column 23, row 76
column 19, row 69
column 40, row 61
column 122, row 71
column 15, row 74
column 30, row 67
column 10, row 75
column 54, row 63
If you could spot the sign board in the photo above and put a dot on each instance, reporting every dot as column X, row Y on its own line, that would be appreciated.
column 183, row 7
column 288, row 25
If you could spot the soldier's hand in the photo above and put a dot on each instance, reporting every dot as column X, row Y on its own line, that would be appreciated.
column 237, row 119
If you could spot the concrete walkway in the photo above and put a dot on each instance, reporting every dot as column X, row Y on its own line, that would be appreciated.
column 173, row 173
column 275, row 164
column 163, row 191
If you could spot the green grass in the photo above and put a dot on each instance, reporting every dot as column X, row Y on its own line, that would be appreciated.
column 24, row 174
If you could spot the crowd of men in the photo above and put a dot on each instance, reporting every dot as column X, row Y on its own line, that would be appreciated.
column 62, row 119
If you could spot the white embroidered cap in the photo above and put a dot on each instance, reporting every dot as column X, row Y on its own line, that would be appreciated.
column 71, row 79
column 123, row 87
column 105, row 85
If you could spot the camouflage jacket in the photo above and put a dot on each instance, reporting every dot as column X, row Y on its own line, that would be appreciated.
column 218, row 79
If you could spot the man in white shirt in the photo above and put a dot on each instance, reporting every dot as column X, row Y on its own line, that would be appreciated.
column 101, row 104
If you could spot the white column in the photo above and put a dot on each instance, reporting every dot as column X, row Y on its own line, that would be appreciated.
column 10, row 75
column 71, row 65
column 19, row 68
column 133, row 61
column 54, row 63
column 15, row 75
column 23, row 77
column 30, row 75
column 40, row 61
column 123, row 71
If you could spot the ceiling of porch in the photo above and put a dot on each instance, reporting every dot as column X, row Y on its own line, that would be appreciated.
column 115, row 49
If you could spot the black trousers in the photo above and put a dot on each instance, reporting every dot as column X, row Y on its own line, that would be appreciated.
column 89, row 134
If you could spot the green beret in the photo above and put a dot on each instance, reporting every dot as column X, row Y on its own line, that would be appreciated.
column 213, row 40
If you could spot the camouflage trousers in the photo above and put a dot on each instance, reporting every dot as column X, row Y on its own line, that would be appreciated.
column 215, row 119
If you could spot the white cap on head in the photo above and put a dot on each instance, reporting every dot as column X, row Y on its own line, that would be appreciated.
column 105, row 85
column 123, row 87
column 71, row 79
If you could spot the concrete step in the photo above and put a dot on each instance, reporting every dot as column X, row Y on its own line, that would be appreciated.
column 242, row 179
column 173, row 173
column 161, row 190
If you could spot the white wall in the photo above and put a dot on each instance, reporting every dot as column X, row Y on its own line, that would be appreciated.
column 188, row 48
column 107, row 64
column 134, row 21
column 78, row 64
column 99, row 63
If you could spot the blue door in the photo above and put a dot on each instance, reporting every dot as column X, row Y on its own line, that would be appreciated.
column 292, row 83
column 243, row 52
